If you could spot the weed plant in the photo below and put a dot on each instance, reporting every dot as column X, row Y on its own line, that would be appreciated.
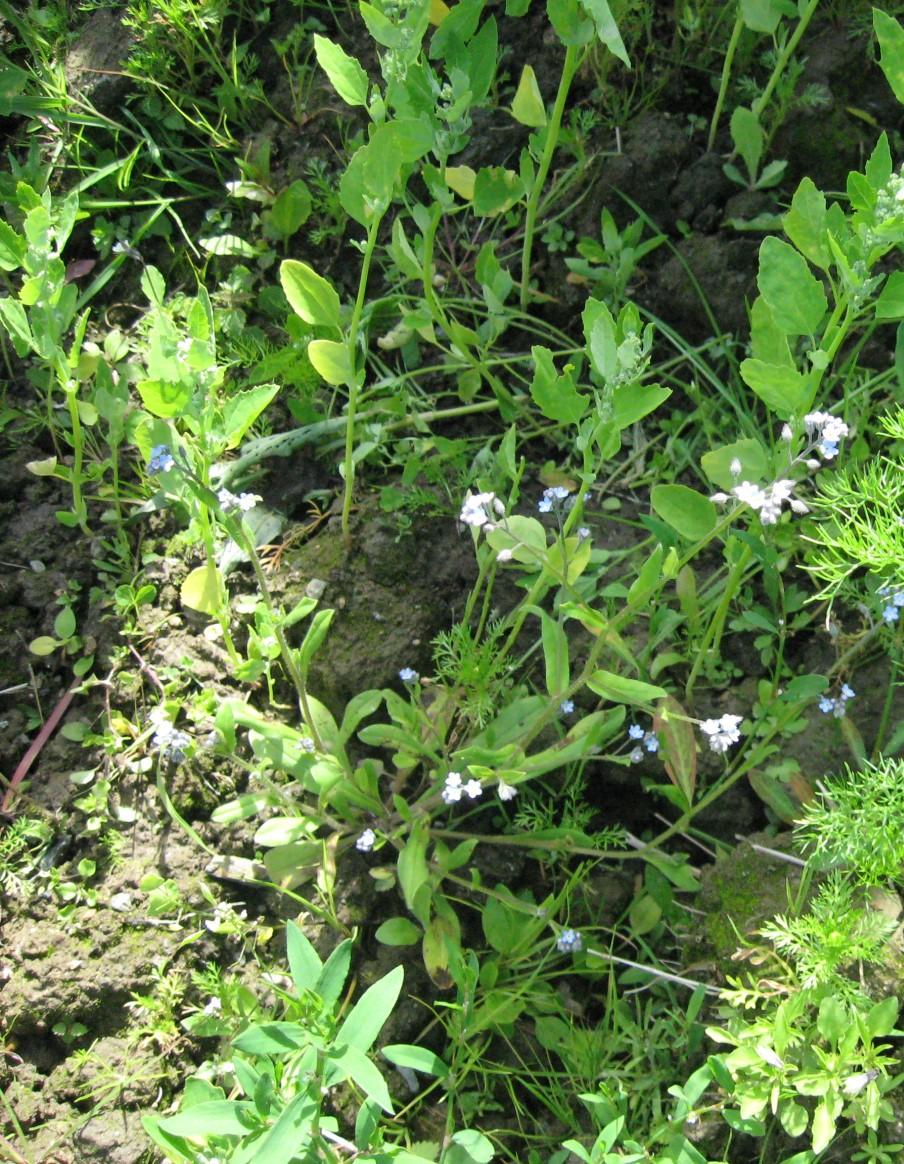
column 607, row 666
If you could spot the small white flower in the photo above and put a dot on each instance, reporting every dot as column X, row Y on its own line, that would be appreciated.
column 504, row 556
column 214, row 1005
column 749, row 494
column 452, row 790
column 735, row 467
column 722, row 732
column 409, row 675
column 506, row 791
column 473, row 789
column 475, row 510
column 365, row 842
column 787, row 433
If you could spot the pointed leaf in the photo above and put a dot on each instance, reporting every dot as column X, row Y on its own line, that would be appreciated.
column 371, row 1011
column 527, row 105
column 304, row 962
column 309, row 294
column 346, row 75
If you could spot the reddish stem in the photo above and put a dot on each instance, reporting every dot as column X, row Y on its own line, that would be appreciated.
column 47, row 729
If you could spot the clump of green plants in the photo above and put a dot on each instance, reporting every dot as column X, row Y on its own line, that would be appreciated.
column 284, row 1072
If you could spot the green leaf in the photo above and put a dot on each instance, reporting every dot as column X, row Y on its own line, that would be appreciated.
column 217, row 1117
column 370, row 1012
column 496, row 190
column 289, row 212
column 330, row 361
column 643, row 915
column 823, row 1131
column 272, row 1039
column 880, row 1019
column 335, row 972
column 555, row 653
column 14, row 319
column 351, row 1063
column 570, row 21
column 687, row 511
column 304, row 961
column 793, row 293
column 890, row 304
column 679, row 747
column 717, row 464
column 415, row 1058
column 833, row 1019
column 785, row 390
column 398, row 931
column 469, row 1147
column 346, row 75
column 632, row 402
column 64, row 624
column 43, row 645
column 202, row 588
column 242, row 409
column 414, row 873
column 890, row 36
column 747, row 136
column 309, row 294
column 619, row 689
column 606, row 29
column 164, row 399
column 555, row 395
column 12, row 248
column 765, row 15
column 290, row 1133
column 527, row 104
column 805, row 224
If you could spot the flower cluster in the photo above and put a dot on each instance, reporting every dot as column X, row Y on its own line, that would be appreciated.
column 454, row 789
column 161, row 459
column 894, row 600
column 826, row 431
column 722, row 732
column 569, row 942
column 478, row 510
column 243, row 501
column 835, row 705
column 554, row 498
column 647, row 740
column 170, row 742
column 767, row 501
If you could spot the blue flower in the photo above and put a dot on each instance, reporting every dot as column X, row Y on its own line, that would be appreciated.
column 651, row 742
column 161, row 459
column 566, row 707
column 552, row 498
column 569, row 942
column 409, row 675
column 826, row 705
column 635, row 732
column 891, row 613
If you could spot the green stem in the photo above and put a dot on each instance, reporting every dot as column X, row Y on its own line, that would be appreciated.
column 713, row 635
column 354, row 385
column 782, row 63
column 70, row 389
column 573, row 58
column 239, row 535
column 726, row 76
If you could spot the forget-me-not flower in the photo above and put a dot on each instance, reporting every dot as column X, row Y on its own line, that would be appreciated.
column 569, row 942
column 161, row 459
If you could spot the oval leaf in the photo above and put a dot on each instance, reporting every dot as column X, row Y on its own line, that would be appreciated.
column 685, row 510
column 309, row 294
